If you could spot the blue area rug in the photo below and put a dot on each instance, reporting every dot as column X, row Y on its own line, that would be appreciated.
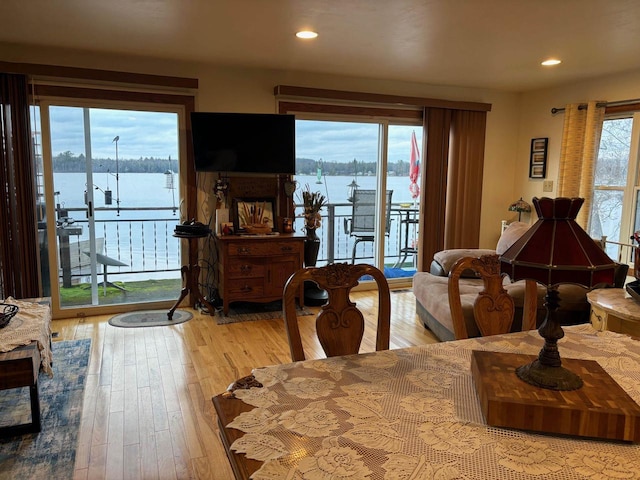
column 51, row 453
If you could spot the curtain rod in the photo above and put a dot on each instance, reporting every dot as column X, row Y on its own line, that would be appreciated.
column 582, row 106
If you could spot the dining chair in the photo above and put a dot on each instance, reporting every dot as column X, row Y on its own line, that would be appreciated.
column 339, row 324
column 493, row 308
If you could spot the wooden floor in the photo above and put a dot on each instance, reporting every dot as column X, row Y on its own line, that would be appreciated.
column 147, row 409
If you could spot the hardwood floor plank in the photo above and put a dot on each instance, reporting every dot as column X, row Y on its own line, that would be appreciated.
column 148, row 453
column 169, row 388
column 131, row 434
column 114, row 468
column 158, row 406
column 98, row 462
column 181, row 457
column 85, row 433
column 117, row 361
column 101, row 420
column 132, row 463
column 166, row 464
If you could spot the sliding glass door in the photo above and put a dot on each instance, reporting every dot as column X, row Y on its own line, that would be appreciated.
column 109, row 201
column 369, row 172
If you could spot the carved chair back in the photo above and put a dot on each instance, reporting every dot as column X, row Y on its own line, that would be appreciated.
column 339, row 324
column 493, row 309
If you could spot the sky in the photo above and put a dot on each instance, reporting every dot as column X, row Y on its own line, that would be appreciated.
column 141, row 134
column 155, row 134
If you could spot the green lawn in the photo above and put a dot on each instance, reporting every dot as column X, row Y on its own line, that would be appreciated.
column 143, row 291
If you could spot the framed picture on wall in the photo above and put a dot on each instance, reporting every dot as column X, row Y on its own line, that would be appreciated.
column 538, row 158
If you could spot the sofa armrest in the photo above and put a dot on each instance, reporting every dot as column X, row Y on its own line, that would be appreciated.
column 445, row 259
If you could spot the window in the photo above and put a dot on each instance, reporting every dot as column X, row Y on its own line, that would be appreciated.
column 613, row 213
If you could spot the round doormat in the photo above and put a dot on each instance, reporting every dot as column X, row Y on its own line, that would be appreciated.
column 149, row 318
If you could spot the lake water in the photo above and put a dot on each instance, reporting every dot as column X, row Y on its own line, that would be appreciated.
column 147, row 246
column 147, row 190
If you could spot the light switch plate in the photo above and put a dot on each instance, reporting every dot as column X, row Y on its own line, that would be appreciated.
column 547, row 186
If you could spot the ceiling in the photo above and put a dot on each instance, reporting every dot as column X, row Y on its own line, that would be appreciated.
column 496, row 44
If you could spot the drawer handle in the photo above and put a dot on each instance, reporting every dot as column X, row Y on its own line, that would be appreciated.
column 286, row 249
column 245, row 268
column 246, row 288
column 244, row 250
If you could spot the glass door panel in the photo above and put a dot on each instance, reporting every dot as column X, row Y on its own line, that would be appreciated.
column 114, row 192
column 343, row 161
column 403, row 177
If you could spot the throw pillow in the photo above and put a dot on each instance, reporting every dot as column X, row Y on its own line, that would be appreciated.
column 512, row 233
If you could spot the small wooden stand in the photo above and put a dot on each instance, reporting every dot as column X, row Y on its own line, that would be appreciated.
column 19, row 368
column 190, row 275
column 600, row 409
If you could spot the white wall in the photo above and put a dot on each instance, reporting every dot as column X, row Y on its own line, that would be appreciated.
column 234, row 89
column 536, row 120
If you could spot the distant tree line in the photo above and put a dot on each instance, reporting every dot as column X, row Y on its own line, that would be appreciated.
column 307, row 166
column 70, row 163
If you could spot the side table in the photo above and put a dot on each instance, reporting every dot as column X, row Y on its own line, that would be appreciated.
column 20, row 368
column 613, row 309
column 190, row 275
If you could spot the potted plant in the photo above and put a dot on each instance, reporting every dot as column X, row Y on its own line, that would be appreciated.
column 312, row 203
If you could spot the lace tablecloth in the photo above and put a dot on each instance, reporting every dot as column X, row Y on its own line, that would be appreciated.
column 32, row 323
column 414, row 414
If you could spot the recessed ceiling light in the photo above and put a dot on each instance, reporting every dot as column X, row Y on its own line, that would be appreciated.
column 551, row 62
column 306, row 34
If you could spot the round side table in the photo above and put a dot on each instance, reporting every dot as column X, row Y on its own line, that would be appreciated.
column 190, row 274
column 614, row 309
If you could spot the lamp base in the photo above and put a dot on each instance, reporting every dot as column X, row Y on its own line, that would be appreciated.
column 552, row 378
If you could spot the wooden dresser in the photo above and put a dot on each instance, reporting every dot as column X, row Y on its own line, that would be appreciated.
column 255, row 268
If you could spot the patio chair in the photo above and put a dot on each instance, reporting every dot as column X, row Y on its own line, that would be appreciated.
column 362, row 224
column 105, row 262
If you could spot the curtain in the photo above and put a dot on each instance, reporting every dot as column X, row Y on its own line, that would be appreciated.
column 578, row 153
column 451, row 193
column 19, row 275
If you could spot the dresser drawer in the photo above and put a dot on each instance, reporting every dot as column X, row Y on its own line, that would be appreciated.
column 240, row 268
column 259, row 249
column 247, row 288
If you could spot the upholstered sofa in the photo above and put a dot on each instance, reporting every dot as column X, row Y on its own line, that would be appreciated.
column 432, row 301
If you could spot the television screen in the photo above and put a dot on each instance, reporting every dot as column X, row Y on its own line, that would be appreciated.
column 243, row 142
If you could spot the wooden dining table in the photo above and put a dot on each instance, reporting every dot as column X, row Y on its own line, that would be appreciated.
column 414, row 413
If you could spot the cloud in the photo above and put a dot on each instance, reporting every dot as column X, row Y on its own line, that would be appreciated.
column 142, row 134
column 342, row 142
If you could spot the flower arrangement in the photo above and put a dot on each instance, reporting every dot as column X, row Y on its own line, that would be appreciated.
column 313, row 203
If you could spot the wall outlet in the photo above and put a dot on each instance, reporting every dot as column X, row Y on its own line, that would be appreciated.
column 547, row 186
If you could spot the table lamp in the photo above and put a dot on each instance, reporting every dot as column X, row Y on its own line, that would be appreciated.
column 555, row 250
column 520, row 206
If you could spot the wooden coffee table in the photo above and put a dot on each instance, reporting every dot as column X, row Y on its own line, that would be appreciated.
column 19, row 368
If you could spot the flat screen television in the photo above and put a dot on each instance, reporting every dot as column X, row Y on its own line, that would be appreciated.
column 243, row 142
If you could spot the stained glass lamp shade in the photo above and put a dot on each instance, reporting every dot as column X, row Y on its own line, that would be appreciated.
column 520, row 206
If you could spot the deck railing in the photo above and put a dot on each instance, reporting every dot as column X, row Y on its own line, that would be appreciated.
column 145, row 243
